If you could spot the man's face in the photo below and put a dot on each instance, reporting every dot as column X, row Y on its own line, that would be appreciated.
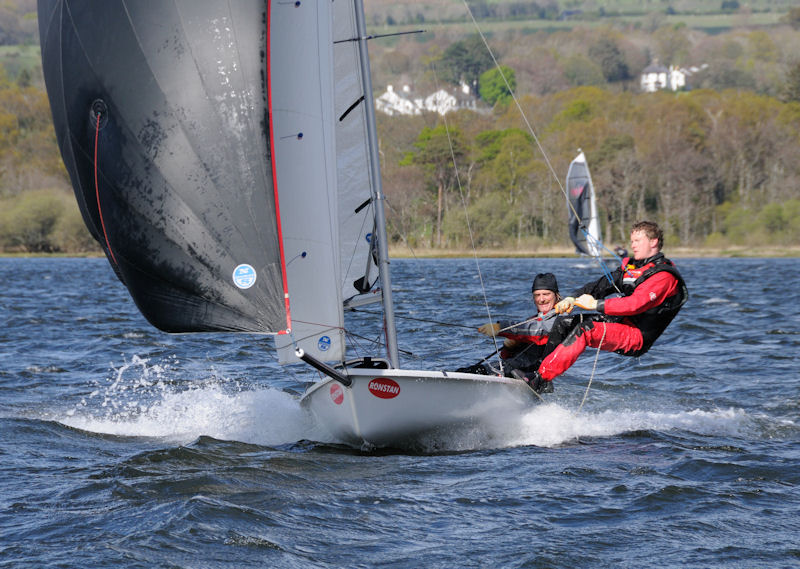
column 545, row 300
column 642, row 246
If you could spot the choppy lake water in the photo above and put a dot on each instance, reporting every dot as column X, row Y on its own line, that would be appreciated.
column 122, row 446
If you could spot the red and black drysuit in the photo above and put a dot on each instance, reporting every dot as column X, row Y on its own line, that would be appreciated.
column 653, row 293
column 530, row 339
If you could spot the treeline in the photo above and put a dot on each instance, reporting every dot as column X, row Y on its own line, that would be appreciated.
column 714, row 168
column 18, row 23
column 37, row 210
column 747, row 58
column 716, row 164
column 414, row 12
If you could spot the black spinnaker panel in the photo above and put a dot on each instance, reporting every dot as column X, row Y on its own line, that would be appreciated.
column 184, row 204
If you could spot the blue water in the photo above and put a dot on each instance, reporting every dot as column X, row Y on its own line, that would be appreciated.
column 122, row 446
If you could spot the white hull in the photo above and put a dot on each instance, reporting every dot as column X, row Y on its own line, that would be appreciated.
column 396, row 408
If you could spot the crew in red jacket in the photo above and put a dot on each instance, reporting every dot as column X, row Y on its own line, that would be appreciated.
column 523, row 342
column 652, row 290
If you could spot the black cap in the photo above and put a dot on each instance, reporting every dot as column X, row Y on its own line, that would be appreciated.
column 545, row 281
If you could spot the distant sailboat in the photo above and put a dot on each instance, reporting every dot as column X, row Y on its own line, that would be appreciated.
column 584, row 223
column 224, row 155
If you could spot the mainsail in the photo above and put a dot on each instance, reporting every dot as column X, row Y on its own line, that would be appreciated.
column 302, row 85
column 350, row 208
column 584, row 223
column 161, row 113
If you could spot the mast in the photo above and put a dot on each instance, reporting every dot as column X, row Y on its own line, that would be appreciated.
column 377, row 188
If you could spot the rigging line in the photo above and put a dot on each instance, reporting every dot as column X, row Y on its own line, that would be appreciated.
column 466, row 216
column 429, row 321
column 594, row 368
column 521, row 111
column 375, row 342
column 403, row 236
column 520, row 323
column 530, row 127
column 533, row 132
column 597, row 245
column 97, row 188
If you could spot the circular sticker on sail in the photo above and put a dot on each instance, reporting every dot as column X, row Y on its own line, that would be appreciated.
column 384, row 388
column 337, row 395
column 244, row 276
column 324, row 343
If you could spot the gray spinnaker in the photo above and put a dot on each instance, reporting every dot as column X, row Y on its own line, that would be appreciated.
column 184, row 204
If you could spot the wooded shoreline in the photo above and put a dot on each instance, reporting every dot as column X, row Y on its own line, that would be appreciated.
column 545, row 253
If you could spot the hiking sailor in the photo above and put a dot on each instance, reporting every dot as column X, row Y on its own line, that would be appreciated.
column 653, row 292
column 524, row 342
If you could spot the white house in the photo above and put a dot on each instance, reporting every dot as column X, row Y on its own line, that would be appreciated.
column 442, row 101
column 656, row 77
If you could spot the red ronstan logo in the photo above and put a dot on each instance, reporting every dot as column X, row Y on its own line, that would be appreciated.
column 337, row 395
column 384, row 388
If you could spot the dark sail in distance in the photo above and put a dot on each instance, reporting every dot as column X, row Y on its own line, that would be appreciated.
column 584, row 225
column 179, row 187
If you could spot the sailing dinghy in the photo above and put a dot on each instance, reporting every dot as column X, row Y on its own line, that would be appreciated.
column 584, row 223
column 224, row 155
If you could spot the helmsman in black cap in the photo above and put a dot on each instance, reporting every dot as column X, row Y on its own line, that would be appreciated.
column 524, row 342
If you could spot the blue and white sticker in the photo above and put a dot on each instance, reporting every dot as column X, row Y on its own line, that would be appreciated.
column 244, row 276
column 324, row 343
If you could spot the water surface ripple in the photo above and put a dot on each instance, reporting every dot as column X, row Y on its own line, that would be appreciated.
column 126, row 447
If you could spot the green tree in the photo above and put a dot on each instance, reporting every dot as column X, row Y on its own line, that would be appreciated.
column 607, row 54
column 465, row 60
column 791, row 89
column 671, row 44
column 436, row 149
column 581, row 71
column 28, row 221
column 498, row 85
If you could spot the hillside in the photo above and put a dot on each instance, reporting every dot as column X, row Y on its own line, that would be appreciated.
column 716, row 164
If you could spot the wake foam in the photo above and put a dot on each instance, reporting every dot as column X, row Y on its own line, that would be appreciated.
column 553, row 424
column 143, row 400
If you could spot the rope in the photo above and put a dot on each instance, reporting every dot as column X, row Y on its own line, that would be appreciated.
column 535, row 137
column 469, row 225
column 428, row 320
column 594, row 368
column 519, row 107
column 97, row 190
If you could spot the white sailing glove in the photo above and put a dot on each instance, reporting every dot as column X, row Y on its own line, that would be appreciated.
column 565, row 305
column 586, row 301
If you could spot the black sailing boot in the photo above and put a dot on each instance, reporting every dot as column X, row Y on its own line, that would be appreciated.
column 534, row 381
